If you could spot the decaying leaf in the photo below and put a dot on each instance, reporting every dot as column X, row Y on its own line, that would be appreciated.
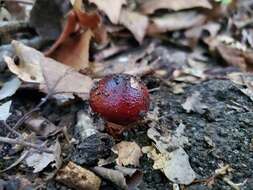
column 74, row 51
column 72, row 46
column 9, row 88
column 129, row 153
column 150, row 6
column 178, row 168
column 5, row 111
column 135, row 22
column 39, row 161
column 125, row 178
column 193, row 103
column 184, row 20
column 50, row 74
column 233, row 52
column 172, row 159
column 77, row 177
column 111, row 8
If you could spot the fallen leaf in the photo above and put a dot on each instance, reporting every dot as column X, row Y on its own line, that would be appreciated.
column 129, row 153
column 5, row 111
column 111, row 8
column 74, row 51
column 193, row 103
column 178, row 168
column 184, row 20
column 233, row 52
column 50, row 74
column 125, row 178
column 38, row 161
column 135, row 22
column 150, row 6
column 172, row 159
column 47, row 16
column 165, row 140
column 77, row 177
column 9, row 88
column 72, row 46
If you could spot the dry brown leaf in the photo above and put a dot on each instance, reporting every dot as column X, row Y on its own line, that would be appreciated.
column 135, row 22
column 72, row 47
column 129, row 153
column 74, row 51
column 176, row 21
column 77, row 177
column 172, row 159
column 111, row 8
column 232, row 52
column 150, row 6
column 50, row 74
column 193, row 103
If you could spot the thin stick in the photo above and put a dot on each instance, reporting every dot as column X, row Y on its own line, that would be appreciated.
column 24, row 143
column 20, row 159
column 11, row 129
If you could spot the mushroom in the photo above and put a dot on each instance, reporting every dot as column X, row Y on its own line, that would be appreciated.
column 120, row 99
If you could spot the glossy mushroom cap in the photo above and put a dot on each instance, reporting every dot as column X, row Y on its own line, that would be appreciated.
column 121, row 99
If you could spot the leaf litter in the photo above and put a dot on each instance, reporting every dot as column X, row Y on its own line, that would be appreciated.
column 94, row 41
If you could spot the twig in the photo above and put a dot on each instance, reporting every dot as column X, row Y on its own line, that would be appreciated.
column 24, row 143
column 20, row 159
column 11, row 129
column 13, row 26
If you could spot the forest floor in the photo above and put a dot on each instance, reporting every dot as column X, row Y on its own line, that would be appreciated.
column 198, row 132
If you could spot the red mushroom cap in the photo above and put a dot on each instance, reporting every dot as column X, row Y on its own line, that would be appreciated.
column 120, row 99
